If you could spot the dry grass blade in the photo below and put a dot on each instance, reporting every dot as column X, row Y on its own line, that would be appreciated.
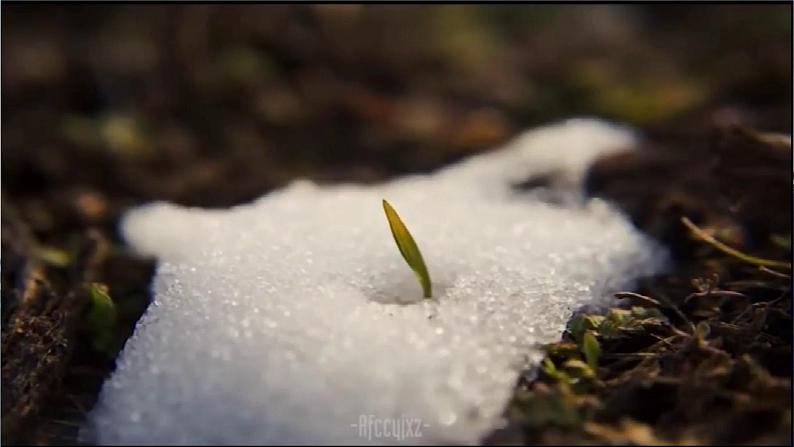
column 732, row 251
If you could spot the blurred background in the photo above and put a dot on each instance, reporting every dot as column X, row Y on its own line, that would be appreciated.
column 109, row 106
column 215, row 104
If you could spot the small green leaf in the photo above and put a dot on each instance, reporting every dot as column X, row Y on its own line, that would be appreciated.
column 560, row 376
column 591, row 349
column 579, row 368
column 53, row 256
column 548, row 367
column 577, row 327
column 409, row 250
column 582, row 323
column 102, row 318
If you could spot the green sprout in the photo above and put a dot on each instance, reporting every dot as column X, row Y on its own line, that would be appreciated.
column 591, row 349
column 102, row 317
column 409, row 250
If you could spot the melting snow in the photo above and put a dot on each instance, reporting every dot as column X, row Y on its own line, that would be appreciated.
column 293, row 319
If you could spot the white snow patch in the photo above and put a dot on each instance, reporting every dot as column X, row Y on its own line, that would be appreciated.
column 293, row 319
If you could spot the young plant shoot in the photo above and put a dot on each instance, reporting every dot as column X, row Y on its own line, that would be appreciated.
column 409, row 250
column 102, row 318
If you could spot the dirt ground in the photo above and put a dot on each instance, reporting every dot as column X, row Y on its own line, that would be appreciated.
column 110, row 106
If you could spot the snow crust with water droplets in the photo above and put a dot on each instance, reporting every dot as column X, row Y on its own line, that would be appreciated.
column 293, row 319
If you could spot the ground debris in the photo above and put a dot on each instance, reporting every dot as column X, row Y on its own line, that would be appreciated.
column 38, row 327
column 697, row 356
